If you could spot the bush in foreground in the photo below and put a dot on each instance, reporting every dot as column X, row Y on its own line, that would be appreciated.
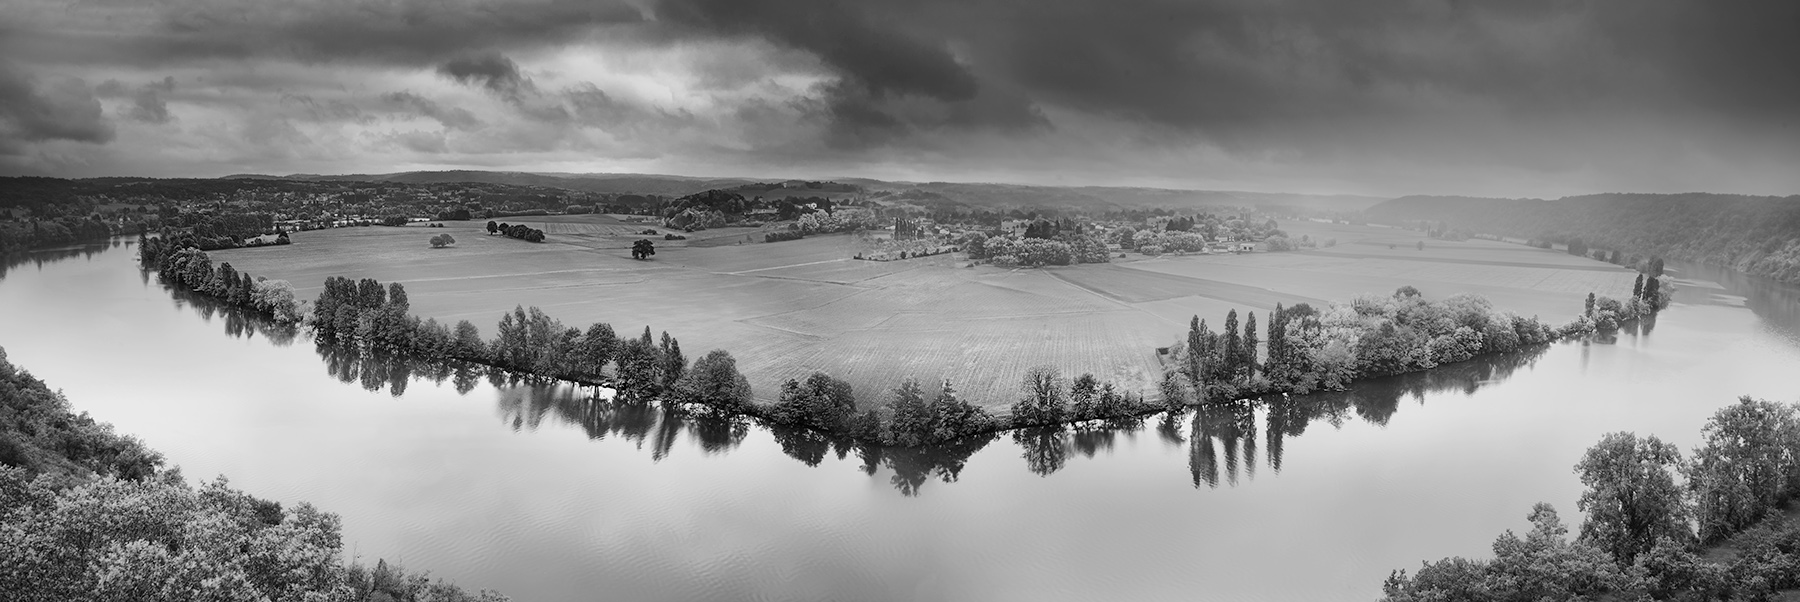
column 162, row 539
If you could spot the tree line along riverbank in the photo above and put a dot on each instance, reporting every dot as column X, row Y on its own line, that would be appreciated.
column 1307, row 350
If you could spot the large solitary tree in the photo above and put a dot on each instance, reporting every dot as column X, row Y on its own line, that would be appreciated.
column 642, row 249
column 1632, row 499
column 1042, row 401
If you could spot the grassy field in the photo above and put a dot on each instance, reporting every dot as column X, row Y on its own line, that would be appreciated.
column 787, row 309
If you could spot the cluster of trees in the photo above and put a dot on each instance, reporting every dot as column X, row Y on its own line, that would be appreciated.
column 158, row 538
column 914, row 417
column 1048, row 400
column 1606, row 314
column 1221, row 225
column 25, row 235
column 191, row 268
column 840, row 220
column 442, row 240
column 695, row 219
column 1309, row 349
column 783, row 235
column 908, row 418
column 519, row 231
column 41, row 435
column 366, row 315
column 168, row 241
column 1151, row 242
column 1068, row 247
column 1645, row 529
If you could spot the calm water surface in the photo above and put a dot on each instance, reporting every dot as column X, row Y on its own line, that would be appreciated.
column 546, row 494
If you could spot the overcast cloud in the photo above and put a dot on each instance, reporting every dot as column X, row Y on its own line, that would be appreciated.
column 1520, row 98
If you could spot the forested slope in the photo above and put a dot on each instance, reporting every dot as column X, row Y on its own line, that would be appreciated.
column 1759, row 235
column 87, row 514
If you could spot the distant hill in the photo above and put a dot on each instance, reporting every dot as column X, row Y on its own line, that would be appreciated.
column 603, row 183
column 989, row 196
column 1759, row 235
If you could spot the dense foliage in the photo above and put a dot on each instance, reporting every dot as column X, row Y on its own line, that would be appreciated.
column 86, row 514
column 1643, row 529
column 39, row 433
column 191, row 268
column 369, row 317
column 519, row 231
column 1370, row 336
column 1543, row 565
column 1066, row 248
column 18, row 236
column 158, row 538
column 643, row 248
column 1752, row 234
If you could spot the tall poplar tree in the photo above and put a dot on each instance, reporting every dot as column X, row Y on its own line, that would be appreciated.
column 1274, row 366
column 1196, row 349
column 1248, row 361
column 1232, row 352
column 673, row 363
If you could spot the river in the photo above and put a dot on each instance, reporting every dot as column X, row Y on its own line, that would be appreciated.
column 548, row 495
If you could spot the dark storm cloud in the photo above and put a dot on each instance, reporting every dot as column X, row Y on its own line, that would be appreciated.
column 404, row 32
column 455, row 118
column 879, row 56
column 492, row 70
column 1737, row 56
column 33, row 111
column 1237, row 66
column 147, row 104
column 883, row 64
column 1301, row 74
column 1413, row 91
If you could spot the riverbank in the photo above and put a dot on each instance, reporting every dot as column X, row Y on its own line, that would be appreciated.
column 1724, row 531
column 63, row 473
column 1309, row 350
column 791, row 309
column 505, row 485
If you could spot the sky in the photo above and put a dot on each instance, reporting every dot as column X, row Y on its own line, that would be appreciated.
column 1539, row 98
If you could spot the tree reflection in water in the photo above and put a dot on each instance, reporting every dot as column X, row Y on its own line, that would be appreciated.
column 1044, row 448
column 524, row 402
column 1227, row 431
column 239, row 322
column 41, row 257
